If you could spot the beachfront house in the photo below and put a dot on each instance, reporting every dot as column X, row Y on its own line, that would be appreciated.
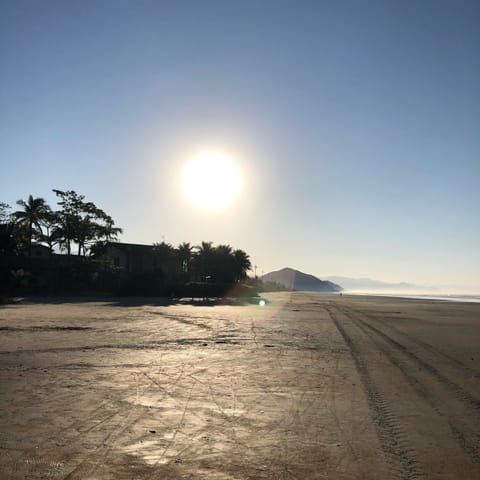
column 131, row 257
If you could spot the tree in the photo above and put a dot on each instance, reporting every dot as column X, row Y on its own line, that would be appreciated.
column 105, row 234
column 203, row 260
column 51, row 232
column 184, row 252
column 8, row 237
column 223, row 264
column 5, row 215
column 242, row 264
column 68, row 217
column 109, row 232
column 165, row 258
column 34, row 210
column 220, row 263
column 82, row 222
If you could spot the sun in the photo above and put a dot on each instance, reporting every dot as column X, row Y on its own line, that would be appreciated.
column 211, row 180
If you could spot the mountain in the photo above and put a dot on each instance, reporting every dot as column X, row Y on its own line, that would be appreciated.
column 370, row 284
column 299, row 281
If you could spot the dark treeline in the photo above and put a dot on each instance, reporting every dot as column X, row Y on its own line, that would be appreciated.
column 203, row 262
column 71, row 250
column 77, row 223
column 195, row 271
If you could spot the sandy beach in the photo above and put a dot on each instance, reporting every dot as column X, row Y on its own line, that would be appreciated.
column 309, row 386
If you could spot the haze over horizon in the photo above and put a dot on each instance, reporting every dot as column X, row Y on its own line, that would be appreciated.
column 354, row 125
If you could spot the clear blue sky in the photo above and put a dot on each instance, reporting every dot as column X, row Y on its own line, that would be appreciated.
column 357, row 124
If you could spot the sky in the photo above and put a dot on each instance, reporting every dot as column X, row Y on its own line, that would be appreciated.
column 355, row 124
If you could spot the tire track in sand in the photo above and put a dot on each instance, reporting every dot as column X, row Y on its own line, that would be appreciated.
column 442, row 394
column 134, row 413
column 401, row 457
column 435, row 352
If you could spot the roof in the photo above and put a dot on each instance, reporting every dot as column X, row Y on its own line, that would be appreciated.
column 130, row 246
column 40, row 246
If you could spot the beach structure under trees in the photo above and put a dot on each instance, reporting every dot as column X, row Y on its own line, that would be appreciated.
column 75, row 249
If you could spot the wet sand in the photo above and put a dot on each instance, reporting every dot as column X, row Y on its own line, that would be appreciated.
column 308, row 387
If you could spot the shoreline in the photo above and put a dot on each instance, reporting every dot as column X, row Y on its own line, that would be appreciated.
column 165, row 301
column 457, row 298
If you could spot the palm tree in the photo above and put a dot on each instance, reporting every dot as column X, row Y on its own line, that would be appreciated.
column 105, row 234
column 224, row 250
column 185, row 256
column 108, row 231
column 52, row 235
column 85, row 231
column 203, row 259
column 242, row 264
column 34, row 210
column 165, row 258
column 64, row 234
column 223, row 264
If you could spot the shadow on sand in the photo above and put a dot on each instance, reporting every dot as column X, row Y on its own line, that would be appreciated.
column 140, row 301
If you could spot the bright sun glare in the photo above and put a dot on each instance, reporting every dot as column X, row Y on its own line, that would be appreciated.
column 211, row 180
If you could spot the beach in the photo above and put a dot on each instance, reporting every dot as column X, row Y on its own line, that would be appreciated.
column 308, row 386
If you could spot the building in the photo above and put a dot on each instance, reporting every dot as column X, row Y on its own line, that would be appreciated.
column 131, row 257
column 40, row 251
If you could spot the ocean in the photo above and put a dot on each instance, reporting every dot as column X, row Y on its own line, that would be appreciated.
column 441, row 297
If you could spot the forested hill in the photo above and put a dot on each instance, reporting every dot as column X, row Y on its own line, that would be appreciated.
column 299, row 281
